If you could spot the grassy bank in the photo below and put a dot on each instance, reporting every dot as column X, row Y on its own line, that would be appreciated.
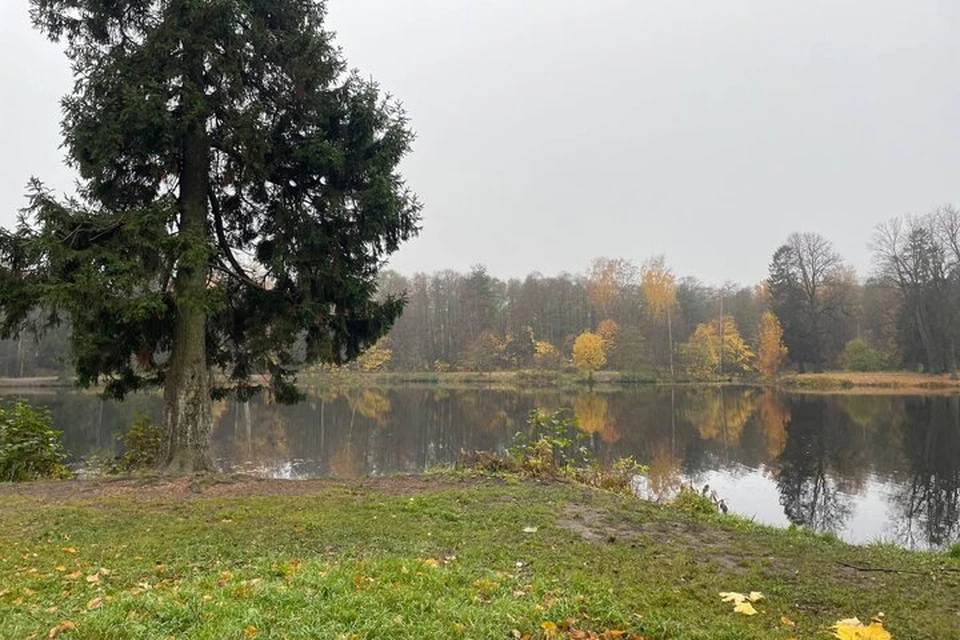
column 903, row 382
column 507, row 380
column 441, row 556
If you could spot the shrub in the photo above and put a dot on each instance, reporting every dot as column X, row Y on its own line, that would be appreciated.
column 692, row 501
column 857, row 355
column 29, row 447
column 141, row 445
column 551, row 445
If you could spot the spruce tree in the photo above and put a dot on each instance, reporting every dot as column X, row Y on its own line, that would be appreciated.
column 239, row 192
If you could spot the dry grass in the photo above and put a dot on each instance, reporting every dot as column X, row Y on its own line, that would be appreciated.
column 894, row 382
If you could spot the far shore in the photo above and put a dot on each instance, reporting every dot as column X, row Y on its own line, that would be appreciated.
column 828, row 382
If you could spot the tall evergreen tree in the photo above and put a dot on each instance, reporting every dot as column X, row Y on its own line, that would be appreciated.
column 239, row 193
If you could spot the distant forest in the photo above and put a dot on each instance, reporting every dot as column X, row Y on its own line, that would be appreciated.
column 812, row 312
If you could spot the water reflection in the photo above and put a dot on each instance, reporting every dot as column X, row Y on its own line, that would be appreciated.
column 865, row 467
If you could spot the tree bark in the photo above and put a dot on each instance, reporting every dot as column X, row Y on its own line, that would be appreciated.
column 188, row 410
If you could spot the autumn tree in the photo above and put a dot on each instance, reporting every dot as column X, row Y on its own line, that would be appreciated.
column 377, row 357
column 608, row 331
column 716, row 348
column 239, row 193
column 770, row 349
column 547, row 356
column 606, row 281
column 588, row 352
column 659, row 289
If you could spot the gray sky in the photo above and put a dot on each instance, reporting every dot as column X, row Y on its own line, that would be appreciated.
column 554, row 131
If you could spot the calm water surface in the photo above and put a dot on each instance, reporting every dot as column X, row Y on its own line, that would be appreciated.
column 867, row 468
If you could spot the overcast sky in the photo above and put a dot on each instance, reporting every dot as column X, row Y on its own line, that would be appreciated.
column 554, row 131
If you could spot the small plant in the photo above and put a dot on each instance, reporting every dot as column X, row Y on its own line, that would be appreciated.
column 692, row 501
column 29, row 447
column 954, row 551
column 618, row 477
column 552, row 444
column 141, row 445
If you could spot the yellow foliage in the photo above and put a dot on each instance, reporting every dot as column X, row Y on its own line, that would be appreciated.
column 853, row 629
column 588, row 353
column 659, row 287
column 545, row 354
column 770, row 349
column 716, row 348
column 376, row 357
column 607, row 277
column 608, row 330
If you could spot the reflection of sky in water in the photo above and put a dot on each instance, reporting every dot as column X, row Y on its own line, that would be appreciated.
column 753, row 494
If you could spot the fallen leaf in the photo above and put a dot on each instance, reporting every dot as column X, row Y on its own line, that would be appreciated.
column 853, row 629
column 93, row 578
column 70, row 550
column 732, row 596
column 224, row 578
column 96, row 603
column 249, row 632
column 530, row 529
column 73, row 576
column 754, row 596
column 745, row 608
column 431, row 562
column 59, row 567
column 549, row 628
column 63, row 626
column 787, row 621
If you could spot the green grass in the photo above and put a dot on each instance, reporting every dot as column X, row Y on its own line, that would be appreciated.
column 448, row 558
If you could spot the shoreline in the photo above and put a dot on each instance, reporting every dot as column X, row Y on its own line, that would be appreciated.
column 830, row 382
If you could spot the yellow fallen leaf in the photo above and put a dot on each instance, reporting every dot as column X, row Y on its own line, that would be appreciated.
column 549, row 628
column 249, row 632
column 70, row 549
column 66, row 624
column 745, row 608
column 732, row 596
column 93, row 578
column 73, row 576
column 787, row 621
column 431, row 562
column 853, row 629
column 754, row 596
column 96, row 603
column 59, row 567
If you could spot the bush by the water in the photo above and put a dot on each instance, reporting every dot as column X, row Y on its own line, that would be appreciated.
column 141, row 445
column 29, row 447
column 553, row 446
column 692, row 501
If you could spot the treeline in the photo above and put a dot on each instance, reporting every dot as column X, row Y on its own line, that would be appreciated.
column 812, row 312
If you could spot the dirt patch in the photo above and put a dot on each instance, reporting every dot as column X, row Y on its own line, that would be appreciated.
column 217, row 485
column 594, row 525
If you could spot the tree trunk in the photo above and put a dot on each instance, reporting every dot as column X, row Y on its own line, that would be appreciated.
column 188, row 410
column 670, row 341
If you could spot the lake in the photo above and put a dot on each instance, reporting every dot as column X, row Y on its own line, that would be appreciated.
column 865, row 467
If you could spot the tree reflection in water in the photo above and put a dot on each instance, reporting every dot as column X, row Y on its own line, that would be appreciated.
column 928, row 499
